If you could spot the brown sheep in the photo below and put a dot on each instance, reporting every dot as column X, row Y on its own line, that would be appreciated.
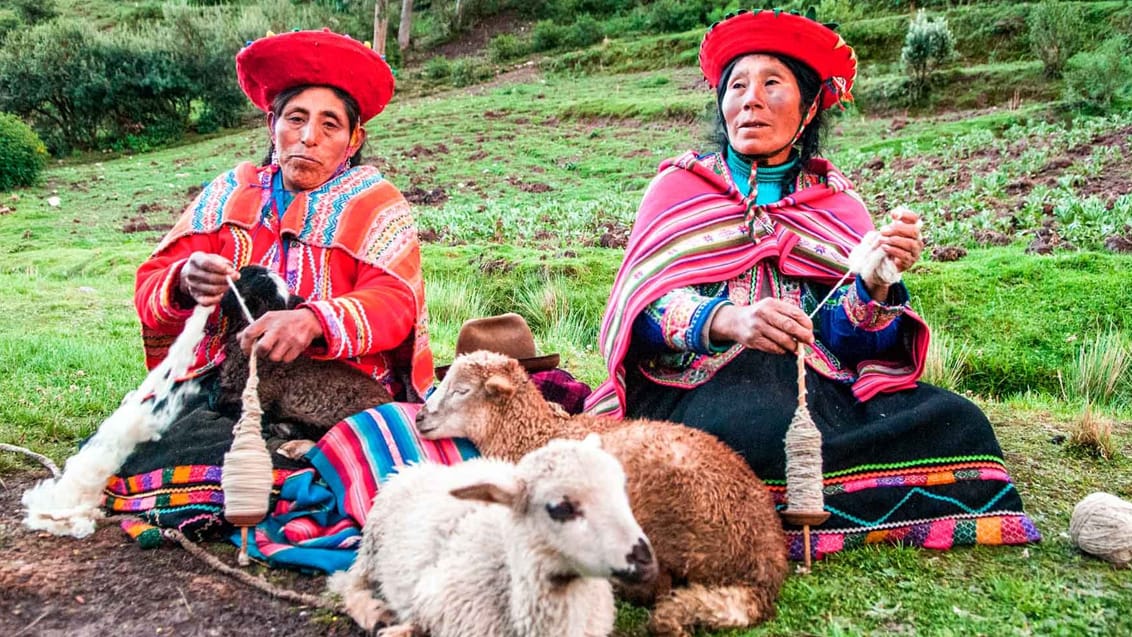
column 302, row 398
column 718, row 540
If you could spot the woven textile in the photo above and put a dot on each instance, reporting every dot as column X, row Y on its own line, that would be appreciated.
column 317, row 513
column 919, row 467
column 355, row 218
column 694, row 227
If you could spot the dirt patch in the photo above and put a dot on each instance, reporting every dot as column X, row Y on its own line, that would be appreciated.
column 475, row 39
column 420, row 196
column 139, row 224
column 948, row 253
column 106, row 585
column 418, row 151
column 528, row 186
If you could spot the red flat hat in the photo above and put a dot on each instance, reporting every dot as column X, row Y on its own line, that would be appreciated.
column 278, row 62
column 768, row 31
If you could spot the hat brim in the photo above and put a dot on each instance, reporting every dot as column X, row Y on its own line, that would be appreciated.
column 767, row 31
column 532, row 365
column 276, row 63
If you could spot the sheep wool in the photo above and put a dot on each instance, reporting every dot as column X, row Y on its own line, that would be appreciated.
column 1101, row 525
column 70, row 504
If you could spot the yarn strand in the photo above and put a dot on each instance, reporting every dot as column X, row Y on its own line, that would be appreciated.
column 246, row 478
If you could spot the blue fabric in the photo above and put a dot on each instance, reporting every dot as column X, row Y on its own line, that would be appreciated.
column 848, row 343
column 648, row 333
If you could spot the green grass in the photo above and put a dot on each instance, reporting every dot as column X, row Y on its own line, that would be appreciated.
column 70, row 346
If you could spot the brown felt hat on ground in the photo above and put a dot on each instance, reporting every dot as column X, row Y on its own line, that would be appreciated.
column 506, row 334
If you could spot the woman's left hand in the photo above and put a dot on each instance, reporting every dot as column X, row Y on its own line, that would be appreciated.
column 901, row 239
column 283, row 335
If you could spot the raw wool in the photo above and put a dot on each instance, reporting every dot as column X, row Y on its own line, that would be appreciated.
column 1101, row 525
column 70, row 505
column 719, row 542
column 869, row 260
column 523, row 549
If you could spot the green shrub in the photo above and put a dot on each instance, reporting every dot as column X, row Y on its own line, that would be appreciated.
column 669, row 16
column 1057, row 32
column 23, row 152
column 467, row 71
column 1095, row 79
column 437, row 68
column 9, row 22
column 35, row 11
column 506, row 47
column 547, row 35
column 927, row 45
column 584, row 32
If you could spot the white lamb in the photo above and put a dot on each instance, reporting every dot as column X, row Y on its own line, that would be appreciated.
column 522, row 550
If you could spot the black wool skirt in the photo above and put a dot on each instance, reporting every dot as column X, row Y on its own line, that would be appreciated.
column 919, row 467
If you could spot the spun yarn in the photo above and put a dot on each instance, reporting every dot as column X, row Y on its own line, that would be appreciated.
column 803, row 453
column 246, row 477
column 1101, row 525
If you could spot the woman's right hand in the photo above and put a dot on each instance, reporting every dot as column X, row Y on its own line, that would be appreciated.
column 770, row 325
column 204, row 277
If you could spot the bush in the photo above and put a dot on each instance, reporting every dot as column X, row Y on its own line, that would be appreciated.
column 674, row 16
column 23, row 152
column 9, row 22
column 35, row 11
column 1095, row 79
column 927, row 45
column 437, row 68
column 584, row 32
column 547, row 35
column 1057, row 32
column 506, row 47
column 468, row 71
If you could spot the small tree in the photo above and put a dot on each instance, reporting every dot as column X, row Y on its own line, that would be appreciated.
column 24, row 154
column 1057, row 33
column 1094, row 80
column 927, row 45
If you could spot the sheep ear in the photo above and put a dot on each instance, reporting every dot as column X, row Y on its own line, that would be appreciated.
column 592, row 440
column 505, row 493
column 499, row 388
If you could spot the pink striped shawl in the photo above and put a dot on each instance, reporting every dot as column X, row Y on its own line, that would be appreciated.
column 693, row 227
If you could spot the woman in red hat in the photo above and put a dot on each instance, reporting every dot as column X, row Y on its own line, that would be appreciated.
column 339, row 234
column 731, row 255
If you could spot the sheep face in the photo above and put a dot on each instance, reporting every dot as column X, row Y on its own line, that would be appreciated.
column 571, row 496
column 476, row 385
column 263, row 291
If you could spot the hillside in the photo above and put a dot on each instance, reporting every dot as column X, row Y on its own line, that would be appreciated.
column 524, row 168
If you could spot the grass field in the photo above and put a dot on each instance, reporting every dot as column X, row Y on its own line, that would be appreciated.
column 528, row 180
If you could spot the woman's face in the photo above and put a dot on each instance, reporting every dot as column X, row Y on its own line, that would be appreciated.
column 762, row 108
column 312, row 136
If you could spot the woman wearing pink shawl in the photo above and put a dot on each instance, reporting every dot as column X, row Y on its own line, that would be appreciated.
column 731, row 255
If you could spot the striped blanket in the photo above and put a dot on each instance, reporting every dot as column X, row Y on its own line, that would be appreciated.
column 316, row 524
column 317, row 515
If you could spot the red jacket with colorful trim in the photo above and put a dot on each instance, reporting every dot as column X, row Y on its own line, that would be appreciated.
column 349, row 247
column 694, row 227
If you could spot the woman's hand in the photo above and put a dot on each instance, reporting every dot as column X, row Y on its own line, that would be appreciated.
column 204, row 277
column 901, row 239
column 902, row 245
column 770, row 325
column 283, row 335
